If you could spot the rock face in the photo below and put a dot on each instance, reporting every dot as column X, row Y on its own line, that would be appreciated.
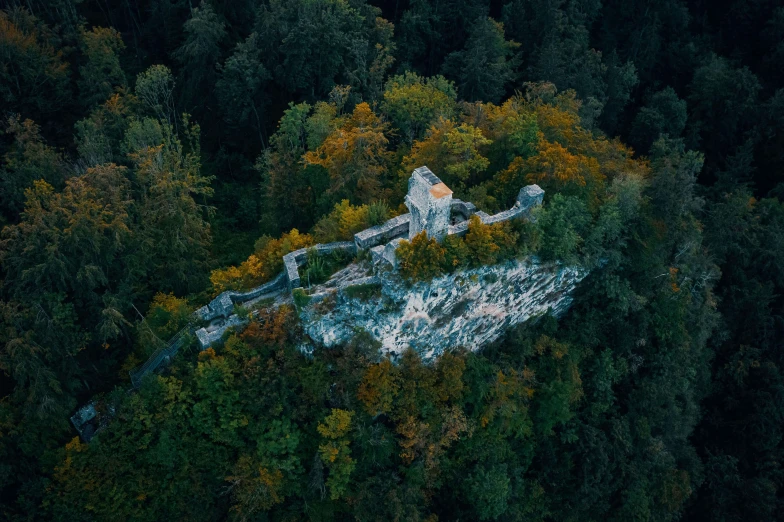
column 470, row 308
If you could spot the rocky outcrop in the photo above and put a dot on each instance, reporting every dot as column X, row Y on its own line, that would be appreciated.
column 469, row 308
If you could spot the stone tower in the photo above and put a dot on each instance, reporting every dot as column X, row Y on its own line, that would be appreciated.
column 429, row 201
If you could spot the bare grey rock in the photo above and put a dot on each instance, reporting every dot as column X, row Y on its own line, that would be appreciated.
column 469, row 308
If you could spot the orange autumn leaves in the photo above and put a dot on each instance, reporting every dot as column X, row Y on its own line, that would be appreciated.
column 355, row 155
column 485, row 152
column 264, row 264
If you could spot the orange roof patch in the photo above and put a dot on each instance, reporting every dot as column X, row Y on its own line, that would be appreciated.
column 440, row 190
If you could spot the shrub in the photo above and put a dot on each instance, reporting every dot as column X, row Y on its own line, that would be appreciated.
column 377, row 213
column 264, row 264
column 317, row 271
column 420, row 259
column 363, row 292
column 301, row 298
column 168, row 314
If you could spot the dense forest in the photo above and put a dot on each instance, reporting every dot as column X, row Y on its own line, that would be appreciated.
column 154, row 153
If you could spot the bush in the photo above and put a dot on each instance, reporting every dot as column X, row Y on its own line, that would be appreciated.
column 420, row 259
column 424, row 258
column 317, row 271
column 301, row 298
column 363, row 292
column 377, row 213
column 264, row 264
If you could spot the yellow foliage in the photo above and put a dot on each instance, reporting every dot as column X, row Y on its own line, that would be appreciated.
column 414, row 438
column 454, row 424
column 449, row 150
column 412, row 102
column 355, row 155
column 254, row 487
column 230, row 278
column 272, row 481
column 421, row 258
column 429, row 151
column 261, row 266
column 271, row 328
column 168, row 313
column 379, row 387
column 342, row 223
column 559, row 125
column 449, row 384
column 207, row 354
column 554, row 162
column 336, row 424
column 352, row 219
column 329, row 452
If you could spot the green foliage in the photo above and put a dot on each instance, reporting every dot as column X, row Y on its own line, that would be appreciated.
column 34, row 76
column 363, row 292
column 296, row 29
column 489, row 492
column 377, row 213
column 319, row 268
column 155, row 88
column 174, row 230
column 463, row 144
column 651, row 399
column 240, row 88
column 412, row 103
column 665, row 113
column 198, row 54
column 486, row 65
column 563, row 225
column 301, row 298
column 29, row 159
column 101, row 74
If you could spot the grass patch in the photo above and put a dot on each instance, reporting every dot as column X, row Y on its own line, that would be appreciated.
column 363, row 292
column 320, row 268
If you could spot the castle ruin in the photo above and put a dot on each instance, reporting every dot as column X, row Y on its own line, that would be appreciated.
column 432, row 210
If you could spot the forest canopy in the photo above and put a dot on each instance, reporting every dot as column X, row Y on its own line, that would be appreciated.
column 154, row 153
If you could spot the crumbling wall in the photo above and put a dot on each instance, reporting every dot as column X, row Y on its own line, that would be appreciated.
column 392, row 229
column 293, row 260
column 432, row 209
column 527, row 199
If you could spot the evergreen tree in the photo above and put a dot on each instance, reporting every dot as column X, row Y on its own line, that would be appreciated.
column 487, row 64
column 199, row 55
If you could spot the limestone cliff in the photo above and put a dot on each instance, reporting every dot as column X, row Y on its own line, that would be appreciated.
column 469, row 308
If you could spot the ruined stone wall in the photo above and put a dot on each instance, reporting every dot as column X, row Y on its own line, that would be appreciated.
column 527, row 199
column 392, row 229
column 432, row 208
column 293, row 260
